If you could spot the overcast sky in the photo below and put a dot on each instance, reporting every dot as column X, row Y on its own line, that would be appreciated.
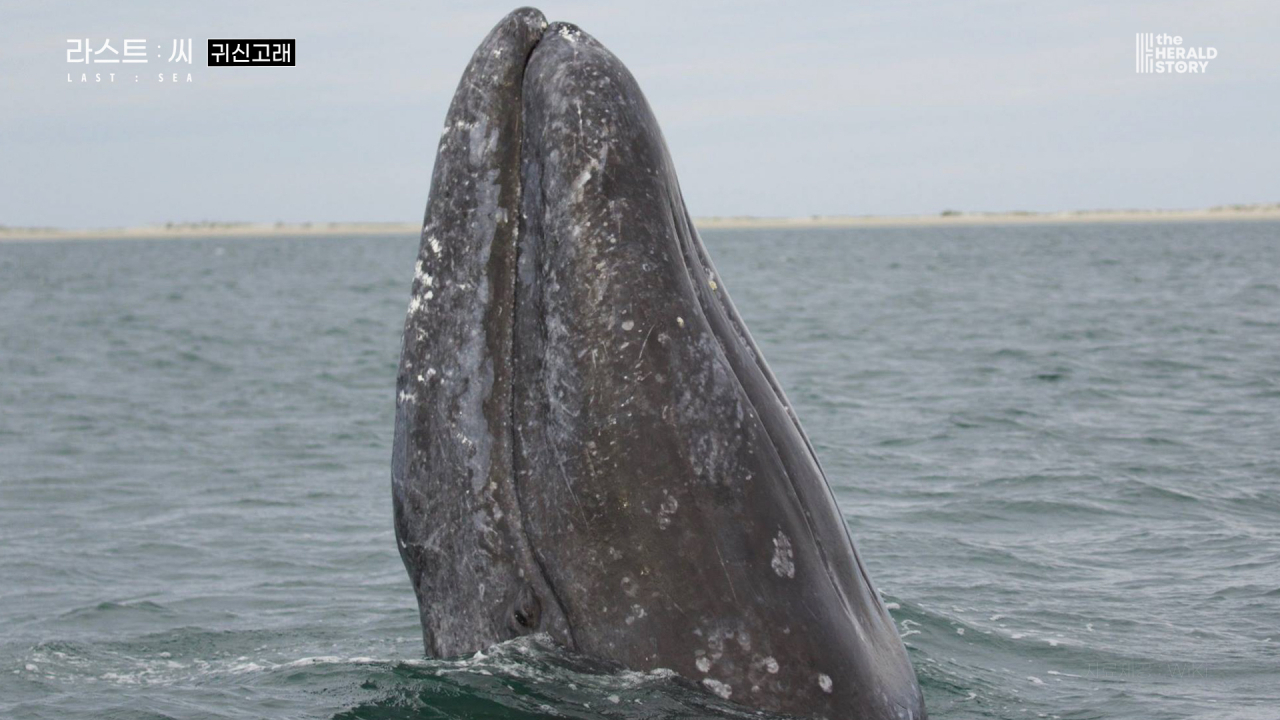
column 768, row 108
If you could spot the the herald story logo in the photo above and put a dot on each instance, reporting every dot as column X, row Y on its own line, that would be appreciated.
column 1162, row 53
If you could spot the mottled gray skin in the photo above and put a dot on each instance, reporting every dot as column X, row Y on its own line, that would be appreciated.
column 457, row 520
column 588, row 442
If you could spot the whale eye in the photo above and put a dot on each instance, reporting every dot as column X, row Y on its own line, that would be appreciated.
column 525, row 612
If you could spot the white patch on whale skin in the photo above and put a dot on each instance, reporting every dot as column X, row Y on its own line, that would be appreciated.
column 580, row 183
column 824, row 682
column 407, row 397
column 771, row 665
column 666, row 510
column 583, row 178
column 434, row 244
column 424, row 281
column 703, row 663
column 783, row 563
column 420, row 274
column 717, row 687
column 457, row 125
column 629, row 586
column 417, row 303
column 628, row 324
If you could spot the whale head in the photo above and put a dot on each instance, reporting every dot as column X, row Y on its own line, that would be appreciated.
column 588, row 442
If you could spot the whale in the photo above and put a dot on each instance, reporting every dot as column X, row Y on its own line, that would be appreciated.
column 589, row 446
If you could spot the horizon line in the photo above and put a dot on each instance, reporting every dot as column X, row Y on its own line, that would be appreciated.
column 1252, row 211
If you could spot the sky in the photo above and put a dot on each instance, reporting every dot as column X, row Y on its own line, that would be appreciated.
column 769, row 108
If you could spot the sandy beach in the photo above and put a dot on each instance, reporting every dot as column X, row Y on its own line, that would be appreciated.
column 1270, row 211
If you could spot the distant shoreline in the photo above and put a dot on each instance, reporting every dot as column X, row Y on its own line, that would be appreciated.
column 949, row 218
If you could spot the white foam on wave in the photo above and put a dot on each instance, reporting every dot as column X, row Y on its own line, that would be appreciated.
column 163, row 669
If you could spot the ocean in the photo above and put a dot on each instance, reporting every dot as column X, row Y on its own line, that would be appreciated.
column 1057, row 448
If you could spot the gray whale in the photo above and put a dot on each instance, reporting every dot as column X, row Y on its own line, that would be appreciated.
column 588, row 443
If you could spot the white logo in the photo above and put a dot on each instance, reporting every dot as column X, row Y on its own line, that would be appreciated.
column 1164, row 53
column 135, row 51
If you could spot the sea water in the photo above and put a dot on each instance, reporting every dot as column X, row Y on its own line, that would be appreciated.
column 1057, row 447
